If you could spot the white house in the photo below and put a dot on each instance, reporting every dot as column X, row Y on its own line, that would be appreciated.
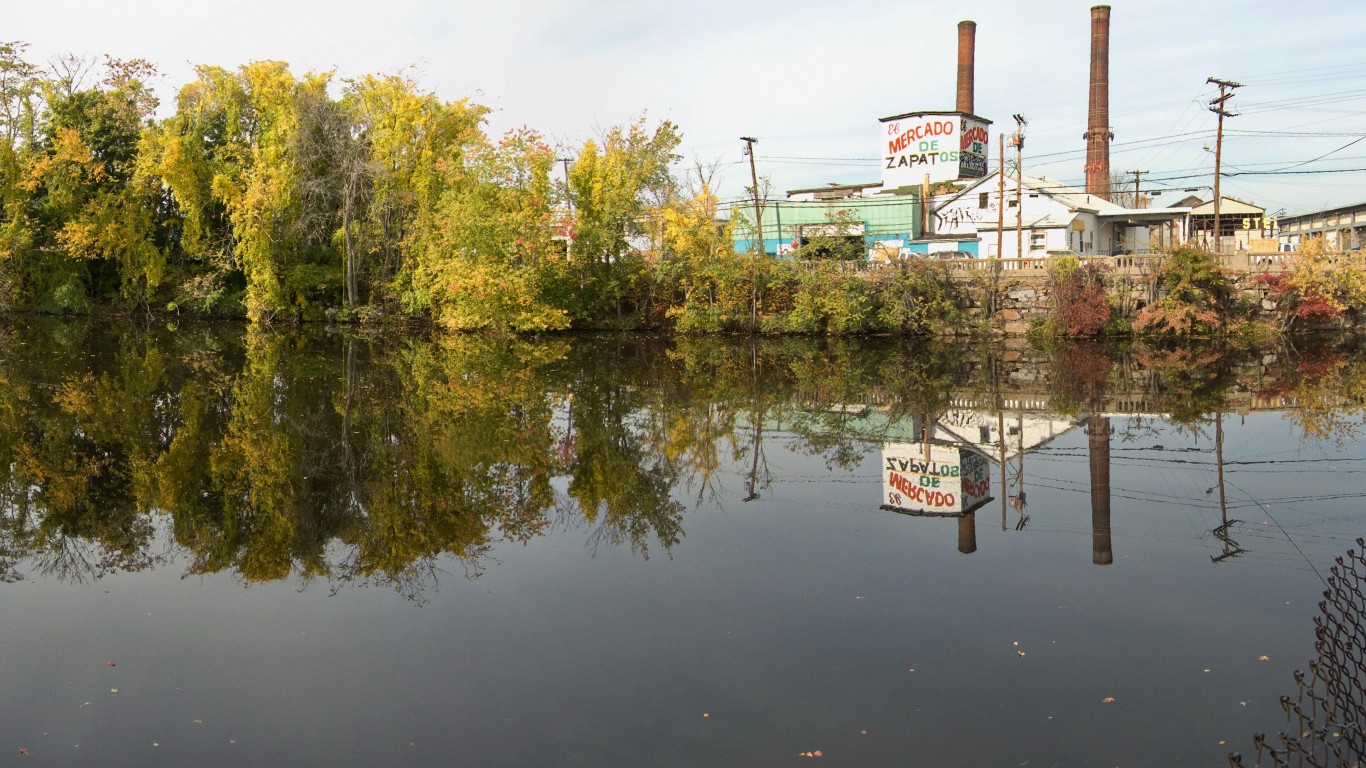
column 1054, row 217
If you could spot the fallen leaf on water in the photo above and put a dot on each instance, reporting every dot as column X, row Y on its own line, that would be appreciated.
column 1108, row 700
column 197, row 722
column 1263, row 658
column 706, row 714
column 1020, row 652
column 1206, row 669
column 113, row 690
column 23, row 750
column 155, row 744
column 110, row 664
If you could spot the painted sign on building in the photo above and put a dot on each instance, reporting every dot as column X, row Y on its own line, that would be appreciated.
column 972, row 148
column 944, row 145
column 933, row 479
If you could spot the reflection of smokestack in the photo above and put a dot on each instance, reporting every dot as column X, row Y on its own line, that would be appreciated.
column 967, row 533
column 1098, row 118
column 1098, row 443
column 967, row 55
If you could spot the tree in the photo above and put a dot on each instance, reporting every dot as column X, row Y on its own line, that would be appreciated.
column 406, row 146
column 617, row 189
column 492, row 264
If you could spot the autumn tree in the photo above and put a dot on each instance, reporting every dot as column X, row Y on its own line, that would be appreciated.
column 617, row 187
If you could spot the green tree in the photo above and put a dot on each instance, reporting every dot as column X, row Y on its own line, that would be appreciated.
column 494, row 265
column 617, row 190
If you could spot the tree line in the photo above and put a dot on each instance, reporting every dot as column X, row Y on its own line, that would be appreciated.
column 270, row 195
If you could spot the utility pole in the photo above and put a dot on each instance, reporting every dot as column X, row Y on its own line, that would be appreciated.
column 1020, row 123
column 754, row 176
column 568, row 201
column 1001, row 205
column 1136, row 175
column 568, row 198
column 1217, row 107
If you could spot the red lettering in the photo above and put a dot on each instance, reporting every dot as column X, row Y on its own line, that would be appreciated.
column 975, row 133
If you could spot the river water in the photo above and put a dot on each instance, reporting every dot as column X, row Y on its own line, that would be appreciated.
column 321, row 547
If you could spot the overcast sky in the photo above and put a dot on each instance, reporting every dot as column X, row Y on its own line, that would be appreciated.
column 810, row 79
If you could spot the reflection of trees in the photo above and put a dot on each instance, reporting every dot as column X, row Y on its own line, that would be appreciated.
column 1327, row 387
column 1187, row 382
column 352, row 459
column 619, row 485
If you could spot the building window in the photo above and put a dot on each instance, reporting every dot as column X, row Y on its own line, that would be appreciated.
column 1038, row 241
column 1013, row 203
column 983, row 199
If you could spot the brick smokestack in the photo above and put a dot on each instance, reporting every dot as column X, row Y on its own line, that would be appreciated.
column 967, row 56
column 1098, row 134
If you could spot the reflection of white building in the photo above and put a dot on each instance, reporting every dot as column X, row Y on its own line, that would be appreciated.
column 1024, row 432
column 1054, row 217
column 964, row 425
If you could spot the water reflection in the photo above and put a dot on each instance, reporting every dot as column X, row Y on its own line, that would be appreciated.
column 357, row 460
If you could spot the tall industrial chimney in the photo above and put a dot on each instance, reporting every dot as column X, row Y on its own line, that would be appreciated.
column 967, row 55
column 1098, row 134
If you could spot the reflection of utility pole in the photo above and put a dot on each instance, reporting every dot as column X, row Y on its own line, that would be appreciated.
column 754, row 176
column 754, row 465
column 1018, row 500
column 1217, row 107
column 1231, row 548
column 1001, row 437
column 758, row 427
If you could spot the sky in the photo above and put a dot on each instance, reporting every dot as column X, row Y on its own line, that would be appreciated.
column 810, row 79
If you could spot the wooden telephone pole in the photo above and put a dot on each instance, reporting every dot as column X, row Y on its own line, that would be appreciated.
column 754, row 176
column 1136, row 175
column 1217, row 107
column 1020, row 123
column 1001, row 203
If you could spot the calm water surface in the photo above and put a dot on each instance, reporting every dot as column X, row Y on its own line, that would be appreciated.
column 324, row 548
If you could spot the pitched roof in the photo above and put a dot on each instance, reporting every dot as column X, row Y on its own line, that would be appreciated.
column 1070, row 196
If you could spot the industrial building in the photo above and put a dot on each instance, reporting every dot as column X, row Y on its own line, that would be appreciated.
column 935, row 195
column 1343, row 228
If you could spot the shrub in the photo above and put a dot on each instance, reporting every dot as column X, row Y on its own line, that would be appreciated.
column 1081, row 304
column 1195, row 296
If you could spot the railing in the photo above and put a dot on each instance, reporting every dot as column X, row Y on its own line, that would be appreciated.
column 1124, row 263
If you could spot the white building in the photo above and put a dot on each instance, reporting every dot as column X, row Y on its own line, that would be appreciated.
column 1055, row 219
